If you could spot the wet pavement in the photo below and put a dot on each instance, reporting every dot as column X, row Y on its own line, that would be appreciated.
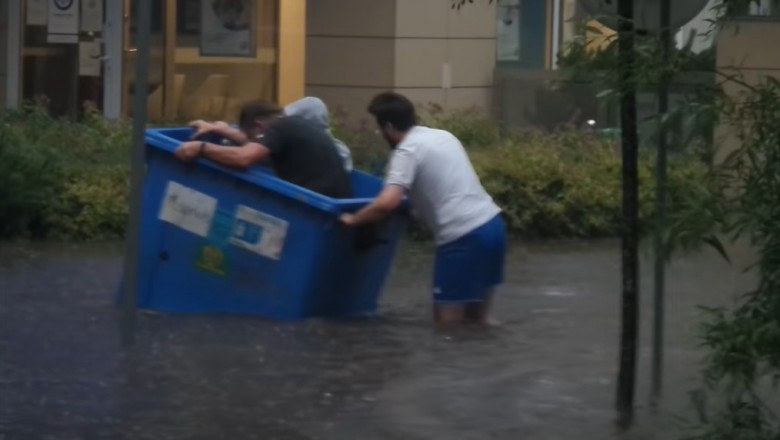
column 547, row 373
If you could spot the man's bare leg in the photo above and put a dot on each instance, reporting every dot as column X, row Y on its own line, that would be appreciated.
column 479, row 312
column 449, row 315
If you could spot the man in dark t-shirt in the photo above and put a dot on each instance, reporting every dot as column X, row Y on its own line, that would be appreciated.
column 299, row 151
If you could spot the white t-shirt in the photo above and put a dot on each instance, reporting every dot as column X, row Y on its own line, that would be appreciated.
column 443, row 187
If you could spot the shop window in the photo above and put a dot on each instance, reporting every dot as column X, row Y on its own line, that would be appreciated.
column 225, row 55
column 522, row 33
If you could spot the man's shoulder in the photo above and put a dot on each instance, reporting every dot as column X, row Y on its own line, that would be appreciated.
column 422, row 134
column 426, row 137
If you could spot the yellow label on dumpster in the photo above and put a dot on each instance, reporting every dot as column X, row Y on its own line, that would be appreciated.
column 212, row 259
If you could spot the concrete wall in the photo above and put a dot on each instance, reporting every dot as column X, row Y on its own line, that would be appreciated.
column 350, row 51
column 445, row 56
column 742, row 48
column 422, row 48
column 3, row 49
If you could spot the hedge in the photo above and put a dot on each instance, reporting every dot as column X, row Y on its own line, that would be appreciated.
column 65, row 180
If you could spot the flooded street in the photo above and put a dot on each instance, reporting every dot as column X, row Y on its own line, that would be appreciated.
column 547, row 373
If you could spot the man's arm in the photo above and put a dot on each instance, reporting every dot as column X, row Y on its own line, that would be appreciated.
column 234, row 157
column 380, row 208
column 222, row 129
column 233, row 134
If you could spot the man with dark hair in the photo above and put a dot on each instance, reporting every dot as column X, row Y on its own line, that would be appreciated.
column 299, row 151
column 432, row 167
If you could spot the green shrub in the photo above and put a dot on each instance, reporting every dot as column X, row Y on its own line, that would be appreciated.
column 60, row 179
column 67, row 180
column 92, row 206
column 28, row 181
column 564, row 184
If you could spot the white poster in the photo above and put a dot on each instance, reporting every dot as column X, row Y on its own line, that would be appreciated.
column 508, row 34
column 37, row 12
column 92, row 15
column 89, row 58
column 259, row 232
column 63, row 20
column 188, row 209
column 227, row 28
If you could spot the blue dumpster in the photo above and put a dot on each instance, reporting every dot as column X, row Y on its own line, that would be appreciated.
column 214, row 240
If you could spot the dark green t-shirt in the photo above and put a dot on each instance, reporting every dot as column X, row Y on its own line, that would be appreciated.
column 306, row 156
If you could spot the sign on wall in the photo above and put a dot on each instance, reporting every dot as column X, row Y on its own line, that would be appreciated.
column 63, row 22
column 227, row 28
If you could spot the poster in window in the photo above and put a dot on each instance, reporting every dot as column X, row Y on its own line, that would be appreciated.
column 92, row 15
column 89, row 59
column 508, row 32
column 227, row 28
column 63, row 21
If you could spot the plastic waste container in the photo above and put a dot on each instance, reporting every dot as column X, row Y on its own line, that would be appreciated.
column 214, row 240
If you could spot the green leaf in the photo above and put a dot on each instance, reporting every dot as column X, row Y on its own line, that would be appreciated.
column 716, row 244
column 605, row 93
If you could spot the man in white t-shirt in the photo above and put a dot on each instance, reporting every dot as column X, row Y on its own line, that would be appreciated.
column 432, row 167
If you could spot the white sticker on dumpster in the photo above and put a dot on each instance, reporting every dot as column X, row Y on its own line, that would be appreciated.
column 188, row 209
column 259, row 232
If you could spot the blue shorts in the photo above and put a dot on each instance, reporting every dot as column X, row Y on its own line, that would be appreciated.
column 469, row 268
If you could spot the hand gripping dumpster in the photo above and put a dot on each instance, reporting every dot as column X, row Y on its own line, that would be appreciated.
column 214, row 240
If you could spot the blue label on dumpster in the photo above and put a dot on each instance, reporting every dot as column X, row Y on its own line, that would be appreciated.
column 259, row 232
column 249, row 233
column 221, row 227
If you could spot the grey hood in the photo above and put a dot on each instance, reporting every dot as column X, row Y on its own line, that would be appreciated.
column 314, row 110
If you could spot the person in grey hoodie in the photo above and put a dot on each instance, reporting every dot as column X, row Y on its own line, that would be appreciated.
column 315, row 111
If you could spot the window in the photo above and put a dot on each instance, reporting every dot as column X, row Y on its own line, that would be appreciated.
column 763, row 9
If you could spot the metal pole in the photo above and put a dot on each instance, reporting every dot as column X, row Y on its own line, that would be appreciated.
column 128, row 321
column 660, row 206
column 630, row 229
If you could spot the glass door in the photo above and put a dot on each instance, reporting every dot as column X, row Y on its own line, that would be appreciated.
column 61, row 56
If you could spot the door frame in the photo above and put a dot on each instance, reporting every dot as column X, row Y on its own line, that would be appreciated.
column 113, row 30
column 556, row 33
column 118, row 52
column 13, row 83
column 112, row 56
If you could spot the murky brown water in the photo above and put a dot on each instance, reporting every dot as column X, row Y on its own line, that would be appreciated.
column 547, row 373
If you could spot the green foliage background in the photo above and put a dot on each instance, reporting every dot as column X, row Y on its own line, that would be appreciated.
column 64, row 180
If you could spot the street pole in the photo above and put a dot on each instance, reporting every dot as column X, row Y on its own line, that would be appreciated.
column 129, row 303
column 660, row 206
column 630, row 229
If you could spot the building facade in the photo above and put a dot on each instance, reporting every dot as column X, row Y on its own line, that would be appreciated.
column 206, row 58
column 422, row 48
column 493, row 55
column 342, row 50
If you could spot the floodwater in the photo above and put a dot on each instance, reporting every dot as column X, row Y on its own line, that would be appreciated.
column 547, row 373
